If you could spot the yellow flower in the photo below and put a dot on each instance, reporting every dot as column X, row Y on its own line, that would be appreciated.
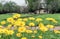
column 25, row 19
column 55, row 21
column 22, row 24
column 57, row 31
column 23, row 38
column 50, row 26
column 40, row 37
column 3, row 22
column 33, row 36
column 21, row 29
column 18, row 34
column 31, row 18
column 8, row 32
column 38, row 19
column 42, row 27
column 5, row 31
column 31, row 24
column 28, row 31
column 51, row 19
column 10, row 19
column 35, row 31
column 1, row 31
column 12, row 22
column 19, row 19
column 16, row 15
column 19, row 23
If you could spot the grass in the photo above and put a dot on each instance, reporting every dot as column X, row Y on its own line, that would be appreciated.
column 43, row 16
column 46, row 35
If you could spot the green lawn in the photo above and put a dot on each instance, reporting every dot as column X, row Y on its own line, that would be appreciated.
column 46, row 35
column 43, row 16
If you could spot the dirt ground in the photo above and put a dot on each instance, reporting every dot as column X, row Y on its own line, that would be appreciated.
column 36, row 28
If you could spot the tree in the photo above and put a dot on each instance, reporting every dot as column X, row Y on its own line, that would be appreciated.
column 32, row 5
column 11, row 7
column 1, row 7
column 52, row 6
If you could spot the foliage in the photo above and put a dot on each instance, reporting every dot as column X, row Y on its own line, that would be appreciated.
column 9, row 7
column 52, row 6
column 33, row 4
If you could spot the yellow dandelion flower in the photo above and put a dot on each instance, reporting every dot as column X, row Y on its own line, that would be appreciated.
column 31, row 24
column 19, row 19
column 57, row 31
column 3, row 22
column 31, row 18
column 50, row 26
column 40, row 37
column 55, row 21
column 35, row 31
column 19, row 23
column 29, row 31
column 18, row 34
column 1, row 31
column 16, row 15
column 21, row 29
column 33, row 36
column 10, row 32
column 25, row 19
column 10, row 19
column 39, row 19
column 51, row 19
column 23, row 38
column 42, row 27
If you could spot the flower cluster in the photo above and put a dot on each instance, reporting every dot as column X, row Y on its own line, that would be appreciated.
column 16, row 27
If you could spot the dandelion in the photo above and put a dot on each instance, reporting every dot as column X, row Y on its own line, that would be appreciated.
column 19, row 19
column 38, row 19
column 31, row 24
column 51, row 19
column 21, row 29
column 8, row 32
column 25, row 19
column 16, row 15
column 3, row 22
column 35, row 31
column 33, row 36
column 10, row 19
column 57, row 31
column 40, row 37
column 31, row 18
column 23, row 38
column 50, row 26
column 18, row 34
column 19, row 23
column 42, row 27
column 29, row 31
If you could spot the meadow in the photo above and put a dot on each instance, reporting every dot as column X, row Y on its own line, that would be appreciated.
column 13, row 26
column 43, row 16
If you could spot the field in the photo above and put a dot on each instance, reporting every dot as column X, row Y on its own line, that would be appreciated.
column 43, row 16
column 15, row 27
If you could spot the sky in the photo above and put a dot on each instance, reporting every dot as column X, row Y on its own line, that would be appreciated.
column 19, row 2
